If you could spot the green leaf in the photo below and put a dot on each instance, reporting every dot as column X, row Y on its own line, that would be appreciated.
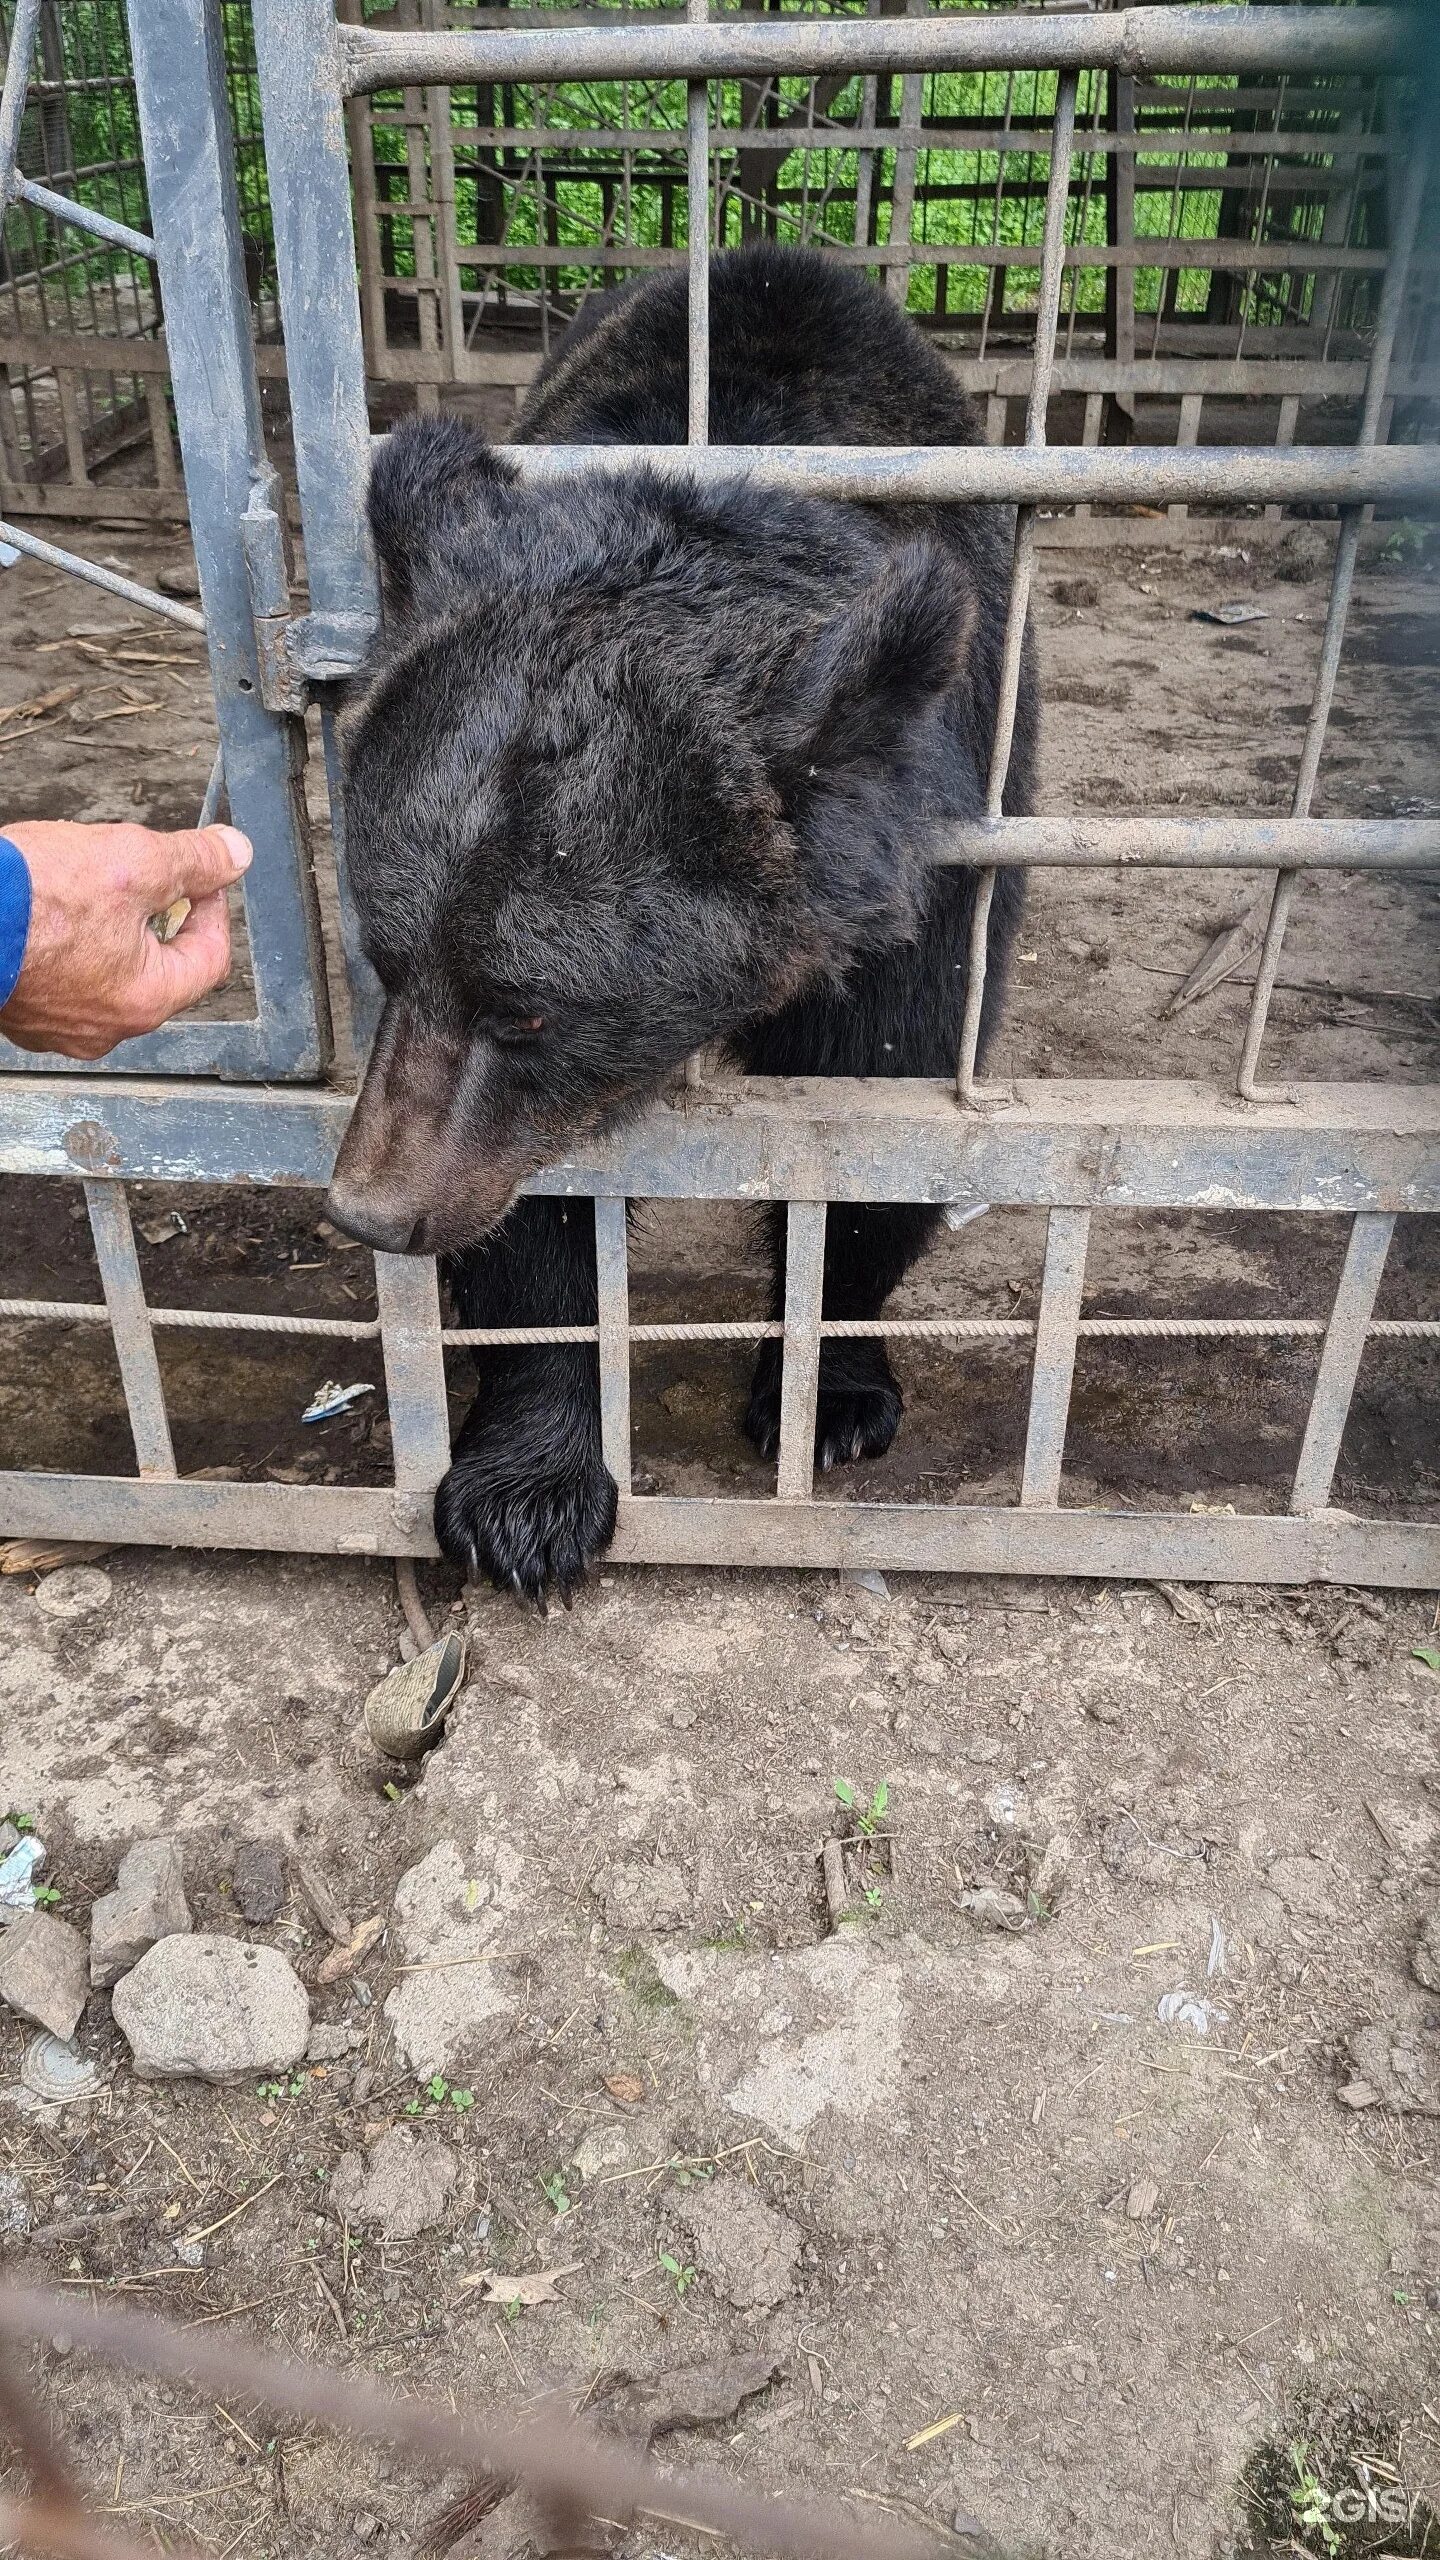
column 1429, row 1654
column 844, row 1793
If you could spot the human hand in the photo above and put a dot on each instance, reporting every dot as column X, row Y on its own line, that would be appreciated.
column 93, row 972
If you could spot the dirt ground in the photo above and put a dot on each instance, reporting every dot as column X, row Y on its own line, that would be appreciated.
column 944, row 2167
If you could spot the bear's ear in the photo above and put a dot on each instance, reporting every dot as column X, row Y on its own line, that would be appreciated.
column 877, row 667
column 431, row 479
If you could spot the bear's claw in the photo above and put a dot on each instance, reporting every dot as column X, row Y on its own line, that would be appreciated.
column 529, row 1534
column 855, row 1417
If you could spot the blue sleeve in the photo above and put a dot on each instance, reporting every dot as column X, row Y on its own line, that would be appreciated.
column 14, row 915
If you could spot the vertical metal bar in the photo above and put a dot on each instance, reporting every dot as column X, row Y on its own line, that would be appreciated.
column 184, row 113
column 1342, row 580
column 613, row 1280
column 1047, row 320
column 130, row 1324
column 1340, row 1359
column 1090, row 435
column 18, row 58
column 1187, row 433
column 1285, row 426
column 1061, row 1291
column 800, row 1379
column 297, row 52
column 907, row 158
column 697, row 132
column 407, row 1293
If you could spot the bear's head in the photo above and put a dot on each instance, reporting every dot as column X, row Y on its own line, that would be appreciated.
column 583, row 776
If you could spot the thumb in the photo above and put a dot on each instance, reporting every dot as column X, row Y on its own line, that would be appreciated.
column 195, row 860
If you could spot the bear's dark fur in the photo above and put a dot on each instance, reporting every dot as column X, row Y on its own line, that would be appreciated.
column 639, row 765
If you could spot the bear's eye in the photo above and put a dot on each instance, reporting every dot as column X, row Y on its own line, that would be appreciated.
column 519, row 1028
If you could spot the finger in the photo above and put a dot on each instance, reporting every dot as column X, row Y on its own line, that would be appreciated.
column 189, row 863
column 179, row 973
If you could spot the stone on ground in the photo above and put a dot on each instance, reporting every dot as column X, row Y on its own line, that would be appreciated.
column 748, row 2249
column 213, row 2009
column 1425, row 1962
column 148, row 1903
column 404, row 2189
column 259, row 1882
column 45, row 1972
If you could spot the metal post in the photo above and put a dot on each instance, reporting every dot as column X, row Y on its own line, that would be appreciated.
column 130, row 1325
column 1340, row 1360
column 1061, row 1290
column 407, row 1293
column 697, row 134
column 800, row 1377
column 613, row 1282
column 1047, row 321
column 1342, row 581
column 190, row 165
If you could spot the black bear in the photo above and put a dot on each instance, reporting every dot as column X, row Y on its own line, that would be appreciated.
column 640, row 764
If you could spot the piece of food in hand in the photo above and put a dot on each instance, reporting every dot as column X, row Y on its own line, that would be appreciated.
column 167, row 924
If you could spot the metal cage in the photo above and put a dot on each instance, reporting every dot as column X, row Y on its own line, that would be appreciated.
column 178, row 1107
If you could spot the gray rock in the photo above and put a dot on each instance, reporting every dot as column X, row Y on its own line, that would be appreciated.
column 148, row 1904
column 45, row 1972
column 213, row 2009
column 14, row 2202
column 332, row 2044
column 259, row 1881
column 1394, row 2067
column 76, row 1591
column 750, row 2251
column 404, row 2188
column 1425, row 1962
column 639, row 1893
column 990, row 1908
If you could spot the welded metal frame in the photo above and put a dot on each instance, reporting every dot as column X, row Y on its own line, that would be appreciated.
column 198, row 252
column 1074, row 1149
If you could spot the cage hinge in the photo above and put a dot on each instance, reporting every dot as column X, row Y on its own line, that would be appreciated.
column 294, row 651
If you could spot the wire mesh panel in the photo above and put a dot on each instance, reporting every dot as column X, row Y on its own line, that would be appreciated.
column 1075, row 1150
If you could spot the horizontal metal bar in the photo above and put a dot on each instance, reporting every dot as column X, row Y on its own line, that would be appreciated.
column 94, row 576
column 62, row 209
column 1197, row 844
column 474, row 1337
column 890, row 1537
column 1406, row 477
column 1126, row 1143
column 1243, row 257
column 1159, row 41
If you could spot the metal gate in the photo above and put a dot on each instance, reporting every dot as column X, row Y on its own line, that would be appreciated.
column 1075, row 1149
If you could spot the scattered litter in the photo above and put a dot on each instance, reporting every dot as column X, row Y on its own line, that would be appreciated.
column 405, row 1712
column 624, row 2088
column 1230, row 613
column 1219, row 1955
column 1229, row 551
column 960, row 1214
column 938, row 2427
column 1200, row 1510
column 50, row 1555
column 332, row 1398
column 162, row 1230
column 990, row 1908
column 18, row 1870
column 525, row 2291
column 343, row 1960
column 863, row 1579
column 1141, row 2199
column 335, row 1921
column 57, row 2073
column 1189, row 2009
column 9, row 555
column 1189, row 1607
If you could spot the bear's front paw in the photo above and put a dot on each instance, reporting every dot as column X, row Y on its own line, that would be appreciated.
column 857, row 1410
column 531, row 1533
